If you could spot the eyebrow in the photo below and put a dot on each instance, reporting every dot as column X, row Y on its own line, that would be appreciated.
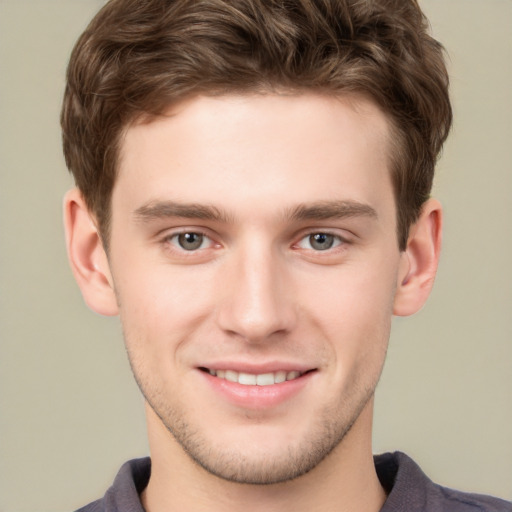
column 155, row 210
column 322, row 210
column 325, row 210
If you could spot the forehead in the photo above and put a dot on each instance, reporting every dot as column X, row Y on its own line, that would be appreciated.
column 241, row 150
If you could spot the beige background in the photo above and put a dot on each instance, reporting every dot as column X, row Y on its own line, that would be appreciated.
column 69, row 411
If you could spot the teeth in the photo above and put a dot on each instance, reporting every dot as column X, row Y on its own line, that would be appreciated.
column 264, row 379
column 231, row 376
column 248, row 379
column 279, row 377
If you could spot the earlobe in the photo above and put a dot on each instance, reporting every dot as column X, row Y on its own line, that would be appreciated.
column 87, row 256
column 419, row 261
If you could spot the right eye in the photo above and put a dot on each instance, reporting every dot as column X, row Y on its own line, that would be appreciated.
column 190, row 241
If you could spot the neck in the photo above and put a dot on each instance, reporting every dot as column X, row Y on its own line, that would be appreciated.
column 344, row 480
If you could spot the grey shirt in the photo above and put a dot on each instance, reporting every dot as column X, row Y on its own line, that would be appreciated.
column 408, row 489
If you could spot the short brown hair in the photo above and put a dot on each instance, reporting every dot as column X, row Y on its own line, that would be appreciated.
column 137, row 57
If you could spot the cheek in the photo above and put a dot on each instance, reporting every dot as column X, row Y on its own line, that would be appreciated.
column 155, row 294
column 163, row 309
column 356, row 293
column 355, row 312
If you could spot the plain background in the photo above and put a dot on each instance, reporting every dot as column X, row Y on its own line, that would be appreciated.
column 70, row 413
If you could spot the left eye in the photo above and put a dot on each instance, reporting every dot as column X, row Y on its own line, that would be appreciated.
column 190, row 241
column 320, row 241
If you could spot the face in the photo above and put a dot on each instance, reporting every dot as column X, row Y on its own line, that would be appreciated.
column 254, row 258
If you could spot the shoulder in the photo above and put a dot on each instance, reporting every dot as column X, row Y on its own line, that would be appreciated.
column 456, row 500
column 123, row 495
column 95, row 506
column 409, row 489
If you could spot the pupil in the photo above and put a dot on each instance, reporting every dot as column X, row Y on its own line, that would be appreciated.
column 190, row 241
column 321, row 241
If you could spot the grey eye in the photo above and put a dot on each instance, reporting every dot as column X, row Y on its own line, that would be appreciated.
column 190, row 241
column 321, row 241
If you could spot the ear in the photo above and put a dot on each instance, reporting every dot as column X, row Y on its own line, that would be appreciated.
column 87, row 256
column 419, row 261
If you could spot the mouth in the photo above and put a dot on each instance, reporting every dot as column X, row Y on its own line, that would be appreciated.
column 260, row 379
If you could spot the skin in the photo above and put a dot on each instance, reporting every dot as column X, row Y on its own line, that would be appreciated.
column 252, row 180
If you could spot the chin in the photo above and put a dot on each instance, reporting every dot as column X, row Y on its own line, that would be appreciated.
column 261, row 454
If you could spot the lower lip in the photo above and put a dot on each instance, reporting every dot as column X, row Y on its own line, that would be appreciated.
column 257, row 397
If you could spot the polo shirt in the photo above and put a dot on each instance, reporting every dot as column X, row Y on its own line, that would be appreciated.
column 408, row 489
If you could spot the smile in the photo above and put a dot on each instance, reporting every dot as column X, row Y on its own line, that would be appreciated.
column 249, row 379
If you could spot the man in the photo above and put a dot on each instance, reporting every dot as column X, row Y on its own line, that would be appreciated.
column 252, row 199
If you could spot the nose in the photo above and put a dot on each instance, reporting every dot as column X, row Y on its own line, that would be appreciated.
column 257, row 300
